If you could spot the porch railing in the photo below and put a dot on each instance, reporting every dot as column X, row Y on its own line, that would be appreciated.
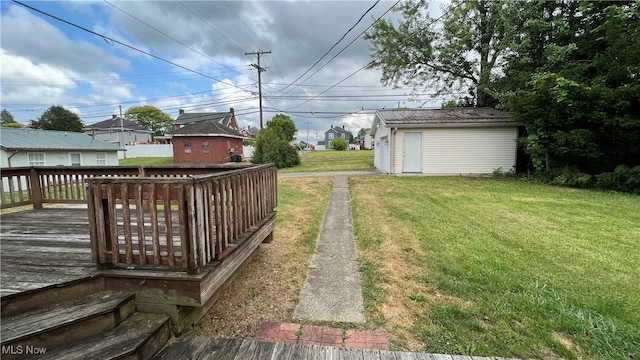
column 36, row 186
column 174, row 220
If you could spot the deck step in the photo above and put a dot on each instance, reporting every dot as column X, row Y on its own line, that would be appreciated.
column 139, row 337
column 62, row 323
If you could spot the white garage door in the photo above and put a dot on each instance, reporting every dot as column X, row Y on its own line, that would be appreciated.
column 384, row 153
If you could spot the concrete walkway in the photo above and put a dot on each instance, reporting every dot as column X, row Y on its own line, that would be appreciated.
column 329, row 173
column 332, row 291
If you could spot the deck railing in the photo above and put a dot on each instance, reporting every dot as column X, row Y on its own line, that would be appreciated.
column 174, row 220
column 40, row 185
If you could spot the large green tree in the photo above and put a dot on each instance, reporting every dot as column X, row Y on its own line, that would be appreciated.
column 151, row 118
column 58, row 118
column 574, row 80
column 459, row 54
column 6, row 118
column 273, row 144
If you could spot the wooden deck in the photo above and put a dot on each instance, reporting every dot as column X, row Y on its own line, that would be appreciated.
column 45, row 256
column 44, row 248
column 197, row 347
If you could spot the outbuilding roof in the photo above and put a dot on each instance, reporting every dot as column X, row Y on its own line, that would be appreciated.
column 116, row 124
column 444, row 116
column 223, row 118
column 36, row 139
column 456, row 117
column 206, row 128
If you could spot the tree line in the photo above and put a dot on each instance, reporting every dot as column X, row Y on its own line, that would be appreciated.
column 568, row 70
column 58, row 118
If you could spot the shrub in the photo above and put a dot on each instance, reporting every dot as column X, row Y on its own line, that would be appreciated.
column 622, row 178
column 339, row 144
column 270, row 148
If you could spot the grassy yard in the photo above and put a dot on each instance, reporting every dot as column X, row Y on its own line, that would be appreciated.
column 500, row 268
column 147, row 161
column 330, row 160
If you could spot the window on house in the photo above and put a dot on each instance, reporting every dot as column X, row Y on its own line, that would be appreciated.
column 75, row 159
column 101, row 159
column 187, row 148
column 36, row 159
column 330, row 136
column 205, row 147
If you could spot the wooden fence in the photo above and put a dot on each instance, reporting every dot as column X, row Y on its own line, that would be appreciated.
column 177, row 221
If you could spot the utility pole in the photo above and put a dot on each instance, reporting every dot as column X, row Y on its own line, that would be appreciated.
column 122, row 131
column 308, row 122
column 260, row 71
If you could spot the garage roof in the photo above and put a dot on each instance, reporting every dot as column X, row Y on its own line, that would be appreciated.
column 443, row 116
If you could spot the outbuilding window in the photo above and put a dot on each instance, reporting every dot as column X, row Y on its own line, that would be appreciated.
column 205, row 147
column 36, row 158
column 187, row 147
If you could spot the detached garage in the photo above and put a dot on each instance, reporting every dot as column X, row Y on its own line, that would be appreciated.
column 450, row 141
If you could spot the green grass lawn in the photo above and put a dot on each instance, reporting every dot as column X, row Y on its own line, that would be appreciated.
column 330, row 160
column 500, row 268
column 146, row 161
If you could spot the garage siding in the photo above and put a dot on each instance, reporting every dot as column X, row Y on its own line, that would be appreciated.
column 381, row 132
column 468, row 150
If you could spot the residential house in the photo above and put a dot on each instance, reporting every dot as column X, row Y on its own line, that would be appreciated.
column 33, row 147
column 448, row 141
column 119, row 130
column 206, row 142
column 227, row 119
column 321, row 146
column 336, row 132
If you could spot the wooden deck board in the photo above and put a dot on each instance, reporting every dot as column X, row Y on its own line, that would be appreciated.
column 42, row 248
column 198, row 347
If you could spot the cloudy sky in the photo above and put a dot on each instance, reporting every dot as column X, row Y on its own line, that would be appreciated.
column 48, row 62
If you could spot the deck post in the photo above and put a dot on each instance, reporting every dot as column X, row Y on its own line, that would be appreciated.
column 36, row 190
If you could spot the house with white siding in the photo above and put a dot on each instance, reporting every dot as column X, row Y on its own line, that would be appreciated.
column 448, row 141
column 33, row 147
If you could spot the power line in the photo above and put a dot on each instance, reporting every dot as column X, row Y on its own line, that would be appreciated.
column 334, row 45
column 367, row 65
column 174, row 39
column 121, row 43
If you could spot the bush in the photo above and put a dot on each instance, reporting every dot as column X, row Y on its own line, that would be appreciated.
column 622, row 178
column 339, row 144
column 270, row 148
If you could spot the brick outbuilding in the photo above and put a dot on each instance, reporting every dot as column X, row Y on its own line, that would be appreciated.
column 206, row 142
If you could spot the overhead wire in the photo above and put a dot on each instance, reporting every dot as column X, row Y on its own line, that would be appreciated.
column 367, row 65
column 121, row 43
column 334, row 45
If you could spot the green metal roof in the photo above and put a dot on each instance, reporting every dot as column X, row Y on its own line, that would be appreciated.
column 34, row 139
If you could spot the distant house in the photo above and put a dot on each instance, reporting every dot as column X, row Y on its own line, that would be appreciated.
column 206, row 142
column 120, row 131
column 250, row 132
column 227, row 119
column 444, row 141
column 33, row 147
column 336, row 132
column 321, row 146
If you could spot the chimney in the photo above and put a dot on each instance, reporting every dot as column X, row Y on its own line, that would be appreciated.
column 181, row 111
column 231, row 110
column 114, row 116
column 332, row 126
column 342, row 127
